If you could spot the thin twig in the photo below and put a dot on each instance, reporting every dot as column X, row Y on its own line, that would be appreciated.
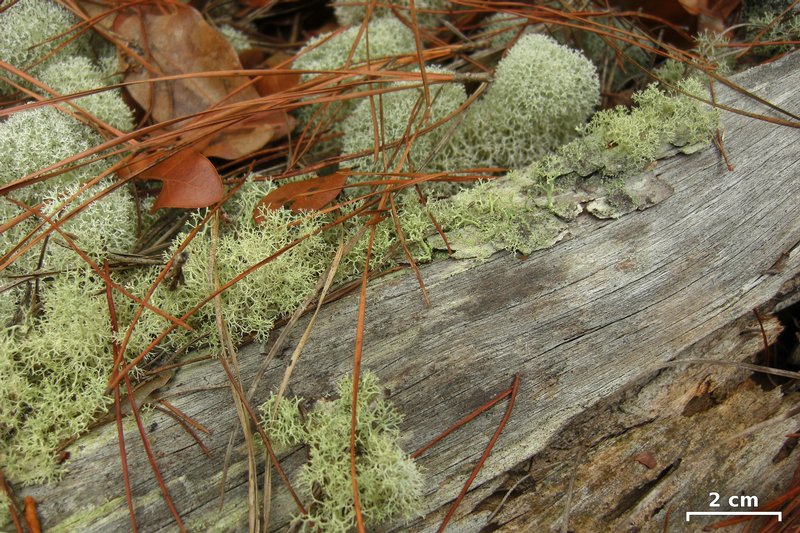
column 151, row 458
column 359, row 346
column 186, row 427
column 507, row 494
column 307, row 333
column 474, row 414
column 264, row 438
column 183, row 416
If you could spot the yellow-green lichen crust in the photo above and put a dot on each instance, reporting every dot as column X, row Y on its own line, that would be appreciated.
column 619, row 141
column 495, row 216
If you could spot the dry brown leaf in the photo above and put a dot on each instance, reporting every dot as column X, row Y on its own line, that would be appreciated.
column 248, row 135
column 177, row 40
column 189, row 180
column 712, row 14
column 266, row 85
column 717, row 8
column 244, row 136
column 307, row 195
column 251, row 58
column 693, row 7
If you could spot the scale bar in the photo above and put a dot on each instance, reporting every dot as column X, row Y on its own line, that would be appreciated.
column 777, row 514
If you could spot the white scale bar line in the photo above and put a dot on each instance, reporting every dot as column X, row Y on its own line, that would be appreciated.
column 734, row 513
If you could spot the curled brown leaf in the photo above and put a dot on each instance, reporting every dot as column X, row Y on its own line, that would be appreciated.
column 176, row 40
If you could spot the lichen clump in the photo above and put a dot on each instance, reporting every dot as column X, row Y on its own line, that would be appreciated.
column 387, row 37
column 56, row 351
column 79, row 73
column 771, row 21
column 400, row 116
column 254, row 304
column 31, row 30
column 542, row 91
column 34, row 139
column 620, row 141
column 54, row 376
column 389, row 483
column 616, row 144
column 491, row 217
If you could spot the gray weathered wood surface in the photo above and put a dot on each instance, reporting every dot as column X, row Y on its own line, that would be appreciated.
column 587, row 324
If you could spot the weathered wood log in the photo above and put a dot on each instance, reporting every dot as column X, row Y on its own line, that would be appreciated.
column 605, row 434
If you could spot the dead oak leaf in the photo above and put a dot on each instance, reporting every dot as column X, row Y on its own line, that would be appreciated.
column 246, row 136
column 179, row 41
column 188, row 178
column 283, row 79
column 307, row 195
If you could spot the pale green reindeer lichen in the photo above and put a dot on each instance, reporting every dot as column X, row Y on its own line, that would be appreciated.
column 400, row 115
column 387, row 37
column 504, row 28
column 389, row 483
column 30, row 30
column 56, row 352
column 616, row 144
column 31, row 140
column 282, row 421
column 5, row 510
column 387, row 249
column 238, row 39
column 54, row 374
column 541, row 92
column 253, row 304
column 762, row 19
column 38, row 138
column 78, row 73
